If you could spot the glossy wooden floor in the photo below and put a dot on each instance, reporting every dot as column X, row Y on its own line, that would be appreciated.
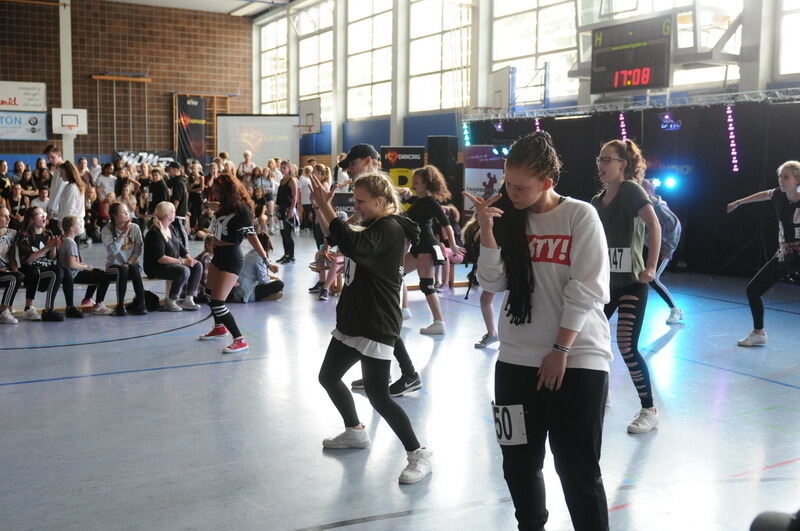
column 131, row 423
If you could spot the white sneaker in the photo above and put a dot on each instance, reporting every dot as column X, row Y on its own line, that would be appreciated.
column 99, row 309
column 645, row 421
column 32, row 315
column 435, row 328
column 418, row 468
column 407, row 314
column 171, row 306
column 6, row 317
column 485, row 341
column 675, row 316
column 753, row 339
column 349, row 438
column 189, row 304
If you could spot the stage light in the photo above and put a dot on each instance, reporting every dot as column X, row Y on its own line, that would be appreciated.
column 498, row 127
column 670, row 182
column 465, row 132
column 538, row 126
column 500, row 151
column 623, row 129
column 656, row 182
column 734, row 152
column 669, row 123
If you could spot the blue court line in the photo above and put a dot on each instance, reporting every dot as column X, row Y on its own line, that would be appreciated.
column 741, row 373
column 132, row 371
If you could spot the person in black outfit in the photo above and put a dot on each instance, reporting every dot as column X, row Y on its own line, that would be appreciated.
column 166, row 257
column 39, row 263
column 179, row 195
column 158, row 191
column 785, row 200
column 233, row 222
column 288, row 197
column 368, row 317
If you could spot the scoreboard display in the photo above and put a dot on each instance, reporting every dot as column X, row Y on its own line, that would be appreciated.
column 632, row 56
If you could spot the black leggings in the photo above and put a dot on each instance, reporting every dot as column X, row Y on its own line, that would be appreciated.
column 402, row 357
column 769, row 275
column 44, row 279
column 572, row 417
column 287, row 235
column 338, row 360
column 632, row 303
column 95, row 276
column 659, row 286
column 12, row 282
column 124, row 274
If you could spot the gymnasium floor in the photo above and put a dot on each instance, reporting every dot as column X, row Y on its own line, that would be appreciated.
column 131, row 423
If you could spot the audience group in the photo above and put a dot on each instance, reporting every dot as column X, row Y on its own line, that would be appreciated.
column 144, row 216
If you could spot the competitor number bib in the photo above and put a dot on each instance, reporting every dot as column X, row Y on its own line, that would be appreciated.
column 620, row 259
column 509, row 424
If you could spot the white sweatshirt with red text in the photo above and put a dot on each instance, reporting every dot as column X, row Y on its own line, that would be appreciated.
column 571, row 285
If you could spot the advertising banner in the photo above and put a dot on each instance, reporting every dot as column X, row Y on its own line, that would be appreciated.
column 23, row 96
column 23, row 125
column 400, row 163
column 191, row 128
column 483, row 173
column 150, row 157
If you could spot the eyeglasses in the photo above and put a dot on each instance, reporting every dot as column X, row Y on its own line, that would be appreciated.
column 606, row 160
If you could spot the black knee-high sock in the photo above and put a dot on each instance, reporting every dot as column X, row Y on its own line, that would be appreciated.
column 223, row 316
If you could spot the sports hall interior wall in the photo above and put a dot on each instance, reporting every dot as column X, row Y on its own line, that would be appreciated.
column 181, row 50
column 698, row 157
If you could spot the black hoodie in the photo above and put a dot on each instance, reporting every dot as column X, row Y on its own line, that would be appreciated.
column 373, row 275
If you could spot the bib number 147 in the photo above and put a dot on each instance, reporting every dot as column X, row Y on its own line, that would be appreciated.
column 509, row 424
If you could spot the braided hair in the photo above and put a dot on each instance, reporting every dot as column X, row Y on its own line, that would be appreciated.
column 535, row 154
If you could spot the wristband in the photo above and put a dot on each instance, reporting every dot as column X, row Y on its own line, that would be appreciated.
column 561, row 348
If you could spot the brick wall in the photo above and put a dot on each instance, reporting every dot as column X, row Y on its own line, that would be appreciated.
column 181, row 50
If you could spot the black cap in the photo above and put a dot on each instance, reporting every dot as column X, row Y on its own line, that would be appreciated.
column 172, row 164
column 359, row 151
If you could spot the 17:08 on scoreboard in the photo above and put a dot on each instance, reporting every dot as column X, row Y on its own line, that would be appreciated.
column 632, row 78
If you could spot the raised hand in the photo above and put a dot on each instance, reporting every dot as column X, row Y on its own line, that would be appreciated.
column 319, row 195
column 484, row 211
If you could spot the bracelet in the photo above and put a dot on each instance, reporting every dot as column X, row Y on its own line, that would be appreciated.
column 561, row 348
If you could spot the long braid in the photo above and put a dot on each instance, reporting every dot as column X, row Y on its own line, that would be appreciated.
column 536, row 154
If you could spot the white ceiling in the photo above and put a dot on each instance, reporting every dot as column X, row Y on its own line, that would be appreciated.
column 214, row 6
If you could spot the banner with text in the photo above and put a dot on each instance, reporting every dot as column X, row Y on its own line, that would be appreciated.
column 483, row 173
column 23, row 96
column 191, row 128
column 23, row 125
column 150, row 157
column 400, row 163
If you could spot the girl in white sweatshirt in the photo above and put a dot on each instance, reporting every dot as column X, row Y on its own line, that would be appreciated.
column 548, row 254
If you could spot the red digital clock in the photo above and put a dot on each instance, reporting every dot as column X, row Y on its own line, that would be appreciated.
column 637, row 77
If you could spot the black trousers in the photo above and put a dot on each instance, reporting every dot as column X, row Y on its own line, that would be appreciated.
column 43, row 279
column 95, row 276
column 287, row 236
column 769, row 275
column 265, row 290
column 180, row 275
column 632, row 302
column 338, row 360
column 123, row 275
column 12, row 282
column 572, row 417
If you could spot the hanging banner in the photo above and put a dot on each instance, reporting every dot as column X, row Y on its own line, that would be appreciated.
column 152, row 158
column 483, row 173
column 23, row 96
column 400, row 163
column 191, row 128
column 23, row 125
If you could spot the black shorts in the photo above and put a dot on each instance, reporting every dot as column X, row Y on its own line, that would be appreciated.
column 228, row 258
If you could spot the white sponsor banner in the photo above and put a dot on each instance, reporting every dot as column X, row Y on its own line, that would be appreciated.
column 23, row 125
column 22, row 96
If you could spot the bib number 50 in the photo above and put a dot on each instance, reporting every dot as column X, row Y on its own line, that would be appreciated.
column 509, row 424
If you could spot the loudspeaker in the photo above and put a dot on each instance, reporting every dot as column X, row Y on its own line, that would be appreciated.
column 443, row 153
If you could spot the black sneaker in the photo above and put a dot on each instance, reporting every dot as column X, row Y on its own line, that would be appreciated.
column 316, row 287
column 359, row 384
column 74, row 313
column 52, row 316
column 138, row 311
column 405, row 385
column 323, row 294
column 120, row 311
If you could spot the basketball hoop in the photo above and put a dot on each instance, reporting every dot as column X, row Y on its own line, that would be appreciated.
column 71, row 129
column 304, row 129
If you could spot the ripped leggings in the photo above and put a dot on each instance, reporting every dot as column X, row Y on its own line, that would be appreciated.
column 632, row 302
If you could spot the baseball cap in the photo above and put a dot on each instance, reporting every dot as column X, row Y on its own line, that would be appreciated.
column 359, row 151
column 172, row 164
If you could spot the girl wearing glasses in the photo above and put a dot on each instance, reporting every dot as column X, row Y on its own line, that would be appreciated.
column 626, row 210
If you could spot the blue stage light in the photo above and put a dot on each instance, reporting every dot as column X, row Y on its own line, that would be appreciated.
column 656, row 182
column 670, row 182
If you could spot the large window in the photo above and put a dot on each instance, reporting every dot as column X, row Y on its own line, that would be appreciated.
column 439, row 55
column 789, row 59
column 315, row 59
column 369, row 58
column 530, row 34
column 274, row 70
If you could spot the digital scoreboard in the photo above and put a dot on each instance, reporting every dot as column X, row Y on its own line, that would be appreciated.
column 632, row 56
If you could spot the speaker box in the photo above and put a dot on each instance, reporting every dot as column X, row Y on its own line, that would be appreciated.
column 443, row 153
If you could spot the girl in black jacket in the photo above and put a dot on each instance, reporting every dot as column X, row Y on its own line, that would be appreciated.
column 368, row 317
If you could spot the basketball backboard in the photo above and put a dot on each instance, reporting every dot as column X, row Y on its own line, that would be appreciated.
column 70, row 122
column 310, row 120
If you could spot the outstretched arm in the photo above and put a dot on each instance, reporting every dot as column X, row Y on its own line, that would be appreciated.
column 755, row 198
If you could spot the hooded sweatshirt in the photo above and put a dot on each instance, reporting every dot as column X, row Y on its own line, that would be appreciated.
column 369, row 306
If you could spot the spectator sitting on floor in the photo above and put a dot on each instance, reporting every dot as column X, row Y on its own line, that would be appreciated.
column 255, row 281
